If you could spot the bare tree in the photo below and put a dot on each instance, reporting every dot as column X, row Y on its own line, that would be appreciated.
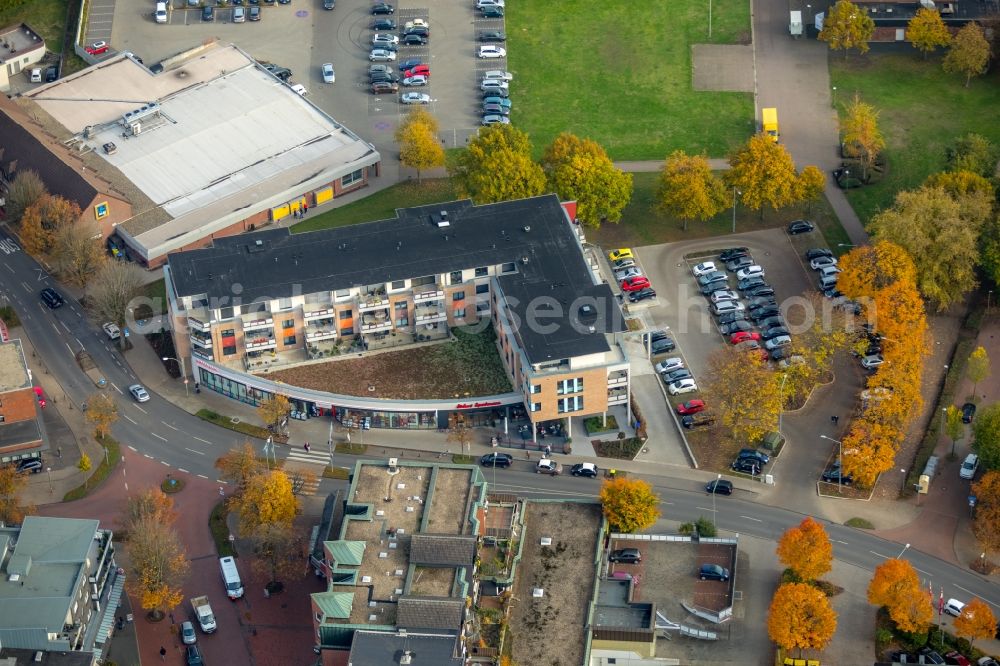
column 77, row 252
column 111, row 291
column 25, row 189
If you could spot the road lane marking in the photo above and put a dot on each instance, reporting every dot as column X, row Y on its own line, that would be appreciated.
column 8, row 268
column 64, row 326
column 201, row 440
column 963, row 589
column 129, row 419
column 134, row 450
column 71, row 352
column 157, row 436
column 181, row 469
column 80, row 343
column 56, row 328
column 200, row 453
column 203, row 476
column 702, row 508
column 116, row 388
column 148, row 456
column 922, row 571
column 756, row 520
column 165, row 463
column 839, row 541
column 168, row 425
column 140, row 409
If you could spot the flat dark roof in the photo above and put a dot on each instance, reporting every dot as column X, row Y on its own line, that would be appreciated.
column 19, row 433
column 532, row 233
column 372, row 648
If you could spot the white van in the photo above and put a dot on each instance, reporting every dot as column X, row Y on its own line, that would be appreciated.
column 231, row 577
column 161, row 12
column 36, row 75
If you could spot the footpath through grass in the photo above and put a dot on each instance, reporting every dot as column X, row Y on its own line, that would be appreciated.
column 923, row 111
column 620, row 73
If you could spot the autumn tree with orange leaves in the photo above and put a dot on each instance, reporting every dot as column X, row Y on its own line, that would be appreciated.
column 806, row 550
column 986, row 524
column 801, row 618
column 629, row 505
column 976, row 621
column 158, row 562
column 896, row 587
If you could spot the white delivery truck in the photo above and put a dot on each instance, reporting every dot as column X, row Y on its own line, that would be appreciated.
column 203, row 611
column 231, row 577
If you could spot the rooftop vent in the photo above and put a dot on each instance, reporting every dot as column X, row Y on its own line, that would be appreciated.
column 13, row 578
column 406, row 658
column 440, row 219
column 526, row 228
column 524, row 259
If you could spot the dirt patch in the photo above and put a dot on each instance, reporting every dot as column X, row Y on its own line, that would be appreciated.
column 565, row 571
column 466, row 365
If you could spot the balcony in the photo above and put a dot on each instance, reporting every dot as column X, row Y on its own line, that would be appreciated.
column 618, row 378
column 427, row 295
column 256, row 324
column 199, row 323
column 429, row 314
column 262, row 340
column 617, row 396
column 373, row 302
column 205, row 342
column 318, row 313
column 318, row 331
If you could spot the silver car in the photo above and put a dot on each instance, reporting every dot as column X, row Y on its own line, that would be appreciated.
column 382, row 55
column 187, row 633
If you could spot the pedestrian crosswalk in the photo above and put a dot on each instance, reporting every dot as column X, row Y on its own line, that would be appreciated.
column 305, row 469
column 309, row 457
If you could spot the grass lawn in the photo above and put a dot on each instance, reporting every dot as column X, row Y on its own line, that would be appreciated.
column 46, row 17
column 923, row 111
column 381, row 205
column 622, row 77
column 468, row 365
column 642, row 224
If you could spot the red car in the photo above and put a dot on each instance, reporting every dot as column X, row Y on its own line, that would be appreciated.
column 41, row 396
column 743, row 336
column 97, row 48
column 635, row 283
column 419, row 70
column 690, row 407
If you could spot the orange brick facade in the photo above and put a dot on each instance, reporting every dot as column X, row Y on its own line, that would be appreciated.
column 17, row 405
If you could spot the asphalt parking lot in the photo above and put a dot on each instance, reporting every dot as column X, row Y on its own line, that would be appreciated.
column 302, row 36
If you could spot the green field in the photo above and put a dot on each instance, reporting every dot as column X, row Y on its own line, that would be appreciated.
column 46, row 17
column 620, row 73
column 923, row 111
column 381, row 205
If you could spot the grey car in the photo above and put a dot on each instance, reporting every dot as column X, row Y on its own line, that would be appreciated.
column 676, row 375
column 735, row 327
column 712, row 277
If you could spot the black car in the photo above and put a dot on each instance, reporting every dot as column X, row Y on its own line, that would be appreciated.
column 764, row 312
column 207, row 13
column 51, row 74
column 730, row 317
column 780, row 353
column 746, row 465
column 733, row 253
column 690, row 421
column 383, row 25
column 749, row 283
column 774, row 332
column 584, row 469
column 382, row 77
column 762, row 290
column 713, row 572
column 421, row 30
column 328, row 4
column 761, row 458
column 413, row 40
column 771, row 322
column 720, row 487
column 761, row 302
column 968, row 412
column 735, row 327
column 625, row 556
column 194, row 656
column 496, row 460
column 800, row 227
column 491, row 11
column 410, row 63
column 738, row 263
column 833, row 475
column 817, row 252
column 633, row 296
column 382, row 8
column 663, row 346
column 492, row 36
column 496, row 92
column 929, row 656
column 713, row 277
column 51, row 298
column 655, row 336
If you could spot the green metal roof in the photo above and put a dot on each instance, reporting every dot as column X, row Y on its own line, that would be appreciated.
column 335, row 605
column 346, row 552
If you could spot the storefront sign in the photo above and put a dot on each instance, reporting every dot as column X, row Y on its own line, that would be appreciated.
column 472, row 405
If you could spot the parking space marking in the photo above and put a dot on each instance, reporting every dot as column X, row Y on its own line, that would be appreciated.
column 129, row 419
column 756, row 520
column 158, row 437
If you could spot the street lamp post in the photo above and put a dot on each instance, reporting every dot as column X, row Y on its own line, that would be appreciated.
column 48, row 472
column 735, row 192
column 180, row 362
column 715, row 490
column 840, row 462
column 905, row 548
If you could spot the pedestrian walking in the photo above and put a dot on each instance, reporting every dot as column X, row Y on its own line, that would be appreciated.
column 163, row 653
column 222, row 491
column 835, row 419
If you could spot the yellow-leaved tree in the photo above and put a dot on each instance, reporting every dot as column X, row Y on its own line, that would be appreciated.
column 969, row 53
column 806, row 550
column 267, row 500
column 580, row 170
column 896, row 587
column 747, row 393
column 497, row 166
column 764, row 173
column 12, row 483
column 800, row 618
column 976, row 621
column 986, row 525
column 846, row 26
column 688, row 190
column 157, row 560
column 274, row 410
column 102, row 412
column 239, row 465
column 859, row 130
column 629, row 505
column 419, row 147
column 927, row 31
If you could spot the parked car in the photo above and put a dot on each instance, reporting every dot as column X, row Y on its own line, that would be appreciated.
column 682, row 386
column 207, row 13
column 723, row 295
column 800, row 227
column 750, row 284
column 761, row 457
column 719, row 487
column 383, row 25
column 490, row 12
column 833, row 475
column 382, row 8
column 779, row 341
column 412, row 39
column 584, row 469
column 968, row 412
column 711, row 277
column 139, row 393
column 930, row 656
column 758, row 302
column 730, row 317
column 328, row 74
column 418, row 70
column 733, row 253
column 496, row 460
column 635, row 283
column 112, row 331
column 188, row 636
column 743, row 336
column 409, row 63
column 382, row 55
column 750, row 271
column 97, row 48
column 703, row 268
column 746, row 465
column 830, row 270
column 662, row 345
column 193, row 656
column 415, row 81
column 625, row 556
column 956, row 658
column 690, row 421
column 615, row 265
column 872, row 361
column 723, row 307
column 691, row 407
column 641, row 295
column 625, row 273
column 676, row 375
column 51, row 74
column 816, row 252
column 495, row 119
column 669, row 365
column 713, row 572
column 492, row 51
column 495, row 87
column 253, row 13
column 771, row 322
column 548, row 466
column 739, row 263
column 492, row 36
column 498, row 74
column 820, row 262
column 29, row 466
column 621, row 253
column 415, row 98
column 969, row 467
column 774, row 332
column 383, row 87
column 764, row 312
column 735, row 327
